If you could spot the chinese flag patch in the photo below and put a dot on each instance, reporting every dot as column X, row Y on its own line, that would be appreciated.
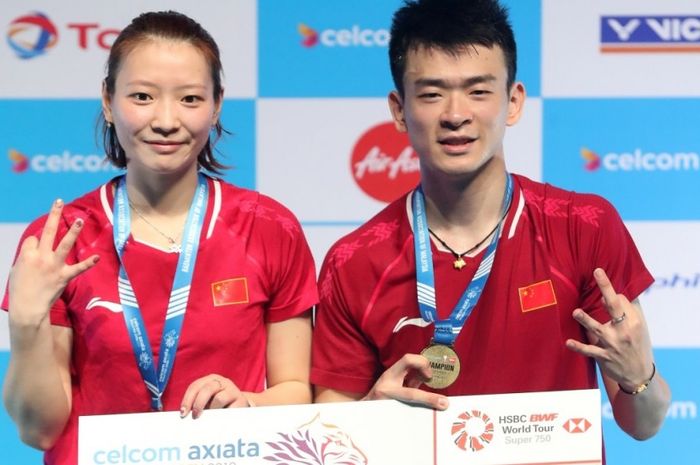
column 537, row 295
column 230, row 291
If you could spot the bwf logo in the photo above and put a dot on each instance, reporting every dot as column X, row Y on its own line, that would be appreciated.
column 650, row 33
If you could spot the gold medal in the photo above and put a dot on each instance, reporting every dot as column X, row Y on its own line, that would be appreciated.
column 445, row 365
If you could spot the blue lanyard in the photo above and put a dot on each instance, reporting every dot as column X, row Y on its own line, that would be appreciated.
column 177, row 304
column 446, row 331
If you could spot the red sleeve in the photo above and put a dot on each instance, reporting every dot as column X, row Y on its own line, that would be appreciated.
column 289, row 263
column 342, row 358
column 610, row 247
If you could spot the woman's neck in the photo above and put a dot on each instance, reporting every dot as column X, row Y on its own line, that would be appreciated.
column 163, row 195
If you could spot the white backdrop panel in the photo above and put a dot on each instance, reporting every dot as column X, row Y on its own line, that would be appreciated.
column 672, row 304
column 573, row 65
column 74, row 66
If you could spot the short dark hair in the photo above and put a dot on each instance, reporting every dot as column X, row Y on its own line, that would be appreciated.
column 449, row 25
column 162, row 25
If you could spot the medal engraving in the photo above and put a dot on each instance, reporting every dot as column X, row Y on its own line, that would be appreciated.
column 444, row 363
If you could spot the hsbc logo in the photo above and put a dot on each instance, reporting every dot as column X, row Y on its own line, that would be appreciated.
column 650, row 33
column 577, row 425
column 383, row 163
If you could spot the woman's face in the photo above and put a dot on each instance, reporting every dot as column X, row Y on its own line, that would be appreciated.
column 163, row 106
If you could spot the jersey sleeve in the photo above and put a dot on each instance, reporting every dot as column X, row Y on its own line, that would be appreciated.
column 611, row 248
column 59, row 309
column 342, row 357
column 289, row 263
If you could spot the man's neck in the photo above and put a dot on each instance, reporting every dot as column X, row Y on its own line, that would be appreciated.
column 462, row 211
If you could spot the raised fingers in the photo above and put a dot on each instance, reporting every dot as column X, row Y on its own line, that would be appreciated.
column 68, row 240
column 80, row 267
column 610, row 297
column 588, row 322
column 66, row 244
column 48, row 234
column 589, row 350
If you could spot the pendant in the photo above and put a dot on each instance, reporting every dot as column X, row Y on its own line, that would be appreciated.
column 174, row 248
column 459, row 263
column 444, row 363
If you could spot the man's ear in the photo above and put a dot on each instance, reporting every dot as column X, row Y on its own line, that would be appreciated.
column 516, row 102
column 397, row 110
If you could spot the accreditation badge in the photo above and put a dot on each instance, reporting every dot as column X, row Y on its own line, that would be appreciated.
column 444, row 363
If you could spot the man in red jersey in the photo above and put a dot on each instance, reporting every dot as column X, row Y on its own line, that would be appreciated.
column 480, row 281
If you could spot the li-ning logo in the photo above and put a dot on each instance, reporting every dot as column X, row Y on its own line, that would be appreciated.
column 316, row 443
column 356, row 36
column 32, row 35
column 641, row 160
column 649, row 34
column 384, row 164
column 472, row 430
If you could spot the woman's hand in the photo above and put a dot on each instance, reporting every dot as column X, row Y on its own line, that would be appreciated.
column 211, row 391
column 40, row 273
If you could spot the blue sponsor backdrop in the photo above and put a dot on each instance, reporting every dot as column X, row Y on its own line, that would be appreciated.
column 631, row 151
column 342, row 46
column 526, row 18
column 640, row 153
column 677, row 442
column 53, row 144
column 339, row 49
column 46, row 145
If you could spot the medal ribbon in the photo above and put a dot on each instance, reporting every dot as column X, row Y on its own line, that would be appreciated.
column 446, row 331
column 179, row 294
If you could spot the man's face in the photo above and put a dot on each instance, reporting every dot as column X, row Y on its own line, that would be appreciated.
column 455, row 108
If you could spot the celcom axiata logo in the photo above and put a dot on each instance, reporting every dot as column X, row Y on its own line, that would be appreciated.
column 32, row 35
column 355, row 36
column 309, row 37
column 383, row 163
column 592, row 160
column 20, row 162
column 316, row 443
column 58, row 163
column 641, row 160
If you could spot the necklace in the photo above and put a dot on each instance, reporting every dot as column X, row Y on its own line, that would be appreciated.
column 459, row 262
column 173, row 245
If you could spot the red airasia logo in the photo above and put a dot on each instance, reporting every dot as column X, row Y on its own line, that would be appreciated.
column 384, row 164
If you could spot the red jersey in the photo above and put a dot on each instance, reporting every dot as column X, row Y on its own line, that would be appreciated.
column 253, row 267
column 513, row 341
